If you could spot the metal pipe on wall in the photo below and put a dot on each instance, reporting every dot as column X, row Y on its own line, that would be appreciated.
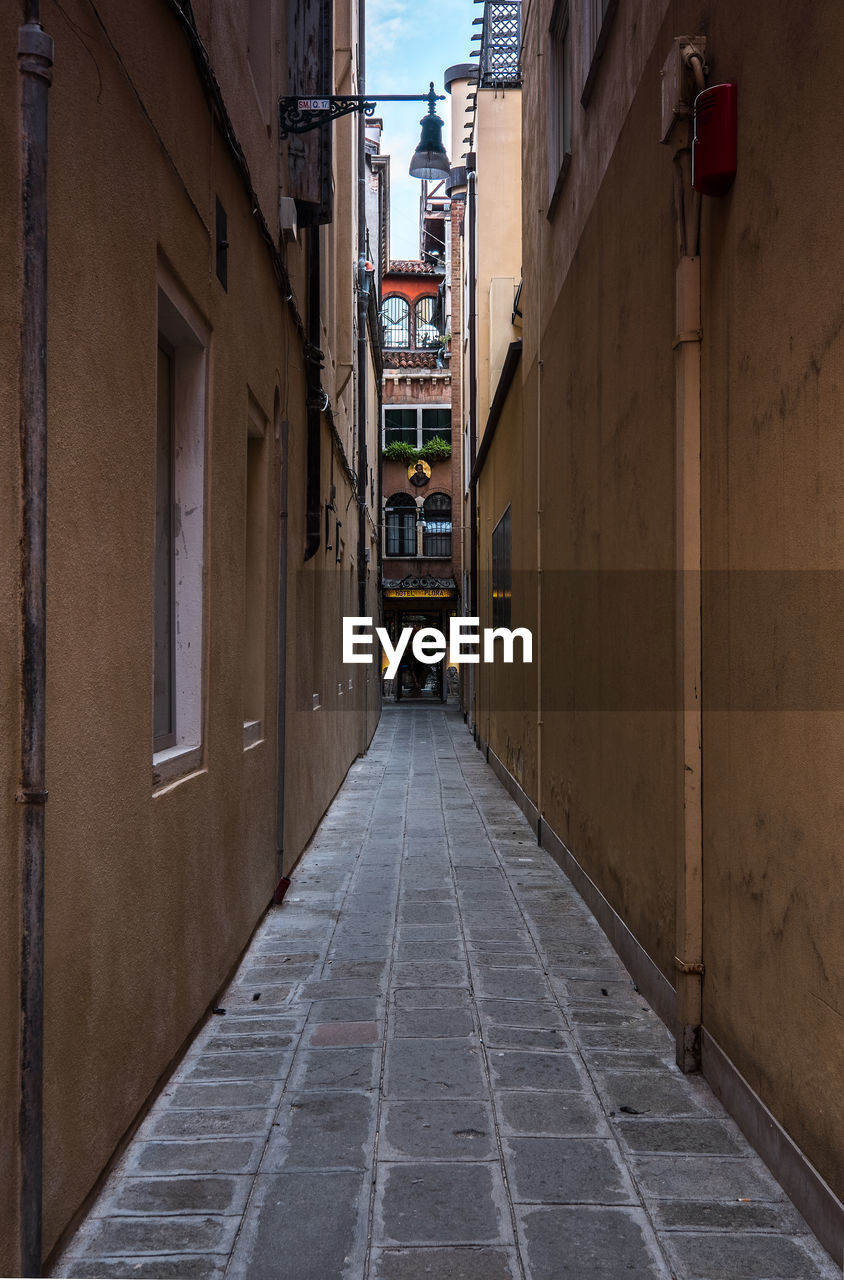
column 687, row 344
column 313, row 367
column 472, row 325
column 362, row 309
column 35, row 61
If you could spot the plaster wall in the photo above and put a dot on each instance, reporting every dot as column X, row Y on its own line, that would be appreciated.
column 773, row 499
column 498, row 144
column 599, row 332
column 154, row 886
column 10, row 811
column 147, row 909
column 507, row 693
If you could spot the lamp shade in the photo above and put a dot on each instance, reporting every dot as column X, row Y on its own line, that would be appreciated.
column 430, row 159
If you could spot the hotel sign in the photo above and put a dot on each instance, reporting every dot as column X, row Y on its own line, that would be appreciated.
column 413, row 593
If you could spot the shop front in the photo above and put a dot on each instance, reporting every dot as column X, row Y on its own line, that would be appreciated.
column 419, row 603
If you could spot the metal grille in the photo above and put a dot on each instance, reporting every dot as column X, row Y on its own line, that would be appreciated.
column 436, row 539
column 501, row 43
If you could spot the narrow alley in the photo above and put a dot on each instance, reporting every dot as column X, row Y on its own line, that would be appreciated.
column 432, row 1063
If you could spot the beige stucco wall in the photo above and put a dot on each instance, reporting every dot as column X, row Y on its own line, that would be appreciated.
column 153, row 890
column 507, row 693
column 147, row 909
column 498, row 145
column 773, row 501
column 599, row 328
column 10, row 812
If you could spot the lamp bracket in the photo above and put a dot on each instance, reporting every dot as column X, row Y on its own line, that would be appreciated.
column 300, row 115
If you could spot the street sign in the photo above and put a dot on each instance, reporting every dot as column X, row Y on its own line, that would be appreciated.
column 313, row 104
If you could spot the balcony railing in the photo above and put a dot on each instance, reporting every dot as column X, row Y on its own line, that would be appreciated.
column 501, row 44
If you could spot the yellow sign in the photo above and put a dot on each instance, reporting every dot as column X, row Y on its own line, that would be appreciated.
column 413, row 593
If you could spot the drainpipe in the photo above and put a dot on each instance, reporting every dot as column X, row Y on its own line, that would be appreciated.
column 688, row 960
column 540, row 366
column 281, row 728
column 316, row 398
column 471, row 206
column 35, row 61
column 362, row 309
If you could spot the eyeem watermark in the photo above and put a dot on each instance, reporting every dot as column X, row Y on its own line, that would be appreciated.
column 466, row 643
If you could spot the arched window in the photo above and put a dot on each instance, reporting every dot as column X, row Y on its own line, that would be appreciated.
column 400, row 525
column 436, row 513
column 395, row 321
column 427, row 322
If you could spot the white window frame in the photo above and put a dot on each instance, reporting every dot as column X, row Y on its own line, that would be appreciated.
column 408, row 408
column 188, row 337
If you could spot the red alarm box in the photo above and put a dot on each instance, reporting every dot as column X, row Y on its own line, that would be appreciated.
column 715, row 145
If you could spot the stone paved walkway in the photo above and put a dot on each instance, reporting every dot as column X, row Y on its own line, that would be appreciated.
column 432, row 1064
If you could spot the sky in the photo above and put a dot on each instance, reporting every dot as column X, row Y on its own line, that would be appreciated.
column 409, row 44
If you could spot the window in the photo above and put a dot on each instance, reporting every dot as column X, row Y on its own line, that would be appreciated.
column 417, row 426
column 178, row 536
column 417, row 327
column 255, row 576
column 259, row 50
column 400, row 425
column 436, row 423
column 164, row 727
column 601, row 14
column 559, row 124
column 501, row 572
column 436, row 538
column 395, row 319
column 400, row 523
column 427, row 323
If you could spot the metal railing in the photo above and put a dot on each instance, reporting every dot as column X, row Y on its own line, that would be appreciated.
column 501, row 44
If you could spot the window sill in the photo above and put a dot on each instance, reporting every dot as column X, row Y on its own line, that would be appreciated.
column 558, row 186
column 600, row 46
column 174, row 763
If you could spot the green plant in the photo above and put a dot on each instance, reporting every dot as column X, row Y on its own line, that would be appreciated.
column 436, row 450
column 400, row 451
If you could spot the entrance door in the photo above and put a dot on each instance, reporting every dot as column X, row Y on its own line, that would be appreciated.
column 417, row 680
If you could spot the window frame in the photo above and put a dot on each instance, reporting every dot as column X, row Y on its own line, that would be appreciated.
column 420, row 410
column 396, row 346
column 440, row 534
column 404, row 503
column 256, row 513
column 164, row 738
column 431, row 344
column 560, row 102
column 187, row 335
column 502, row 571
column 601, row 15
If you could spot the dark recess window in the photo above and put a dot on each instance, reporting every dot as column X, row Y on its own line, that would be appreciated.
column 436, row 540
column 501, row 572
column 400, row 520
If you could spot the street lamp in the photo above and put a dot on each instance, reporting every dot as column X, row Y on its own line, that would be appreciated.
column 299, row 115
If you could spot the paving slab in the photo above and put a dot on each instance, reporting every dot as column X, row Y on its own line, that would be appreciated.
column 435, row 1203
column 210, row 1195
column 433, row 1065
column 418, row 1068
column 462, row 1130
column 713, row 1256
column 567, row 1171
column 468, row 1263
column 591, row 1243
column 322, row 1131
